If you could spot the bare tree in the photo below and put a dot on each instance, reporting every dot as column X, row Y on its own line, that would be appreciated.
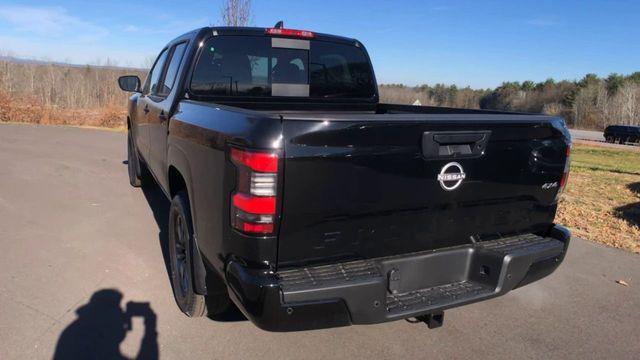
column 63, row 94
column 148, row 62
column 236, row 12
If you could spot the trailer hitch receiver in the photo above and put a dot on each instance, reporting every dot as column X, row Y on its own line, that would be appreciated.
column 433, row 320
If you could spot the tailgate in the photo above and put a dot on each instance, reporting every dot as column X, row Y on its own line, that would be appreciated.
column 387, row 185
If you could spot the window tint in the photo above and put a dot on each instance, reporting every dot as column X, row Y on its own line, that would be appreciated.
column 248, row 66
column 233, row 65
column 289, row 66
column 339, row 70
column 172, row 70
column 154, row 75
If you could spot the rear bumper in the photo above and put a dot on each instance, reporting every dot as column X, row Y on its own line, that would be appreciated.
column 392, row 288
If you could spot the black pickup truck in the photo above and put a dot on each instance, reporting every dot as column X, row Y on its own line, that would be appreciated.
column 622, row 134
column 300, row 198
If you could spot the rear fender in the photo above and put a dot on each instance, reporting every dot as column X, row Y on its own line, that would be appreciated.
column 177, row 159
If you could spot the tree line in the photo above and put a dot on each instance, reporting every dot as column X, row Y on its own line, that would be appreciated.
column 62, row 94
column 89, row 95
column 591, row 102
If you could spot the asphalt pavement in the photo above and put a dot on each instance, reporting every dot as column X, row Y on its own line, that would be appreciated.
column 587, row 135
column 78, row 243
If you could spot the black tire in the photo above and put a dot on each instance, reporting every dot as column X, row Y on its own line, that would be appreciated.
column 138, row 172
column 180, row 254
column 610, row 139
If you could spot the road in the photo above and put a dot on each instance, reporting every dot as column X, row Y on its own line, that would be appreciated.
column 71, row 226
column 587, row 135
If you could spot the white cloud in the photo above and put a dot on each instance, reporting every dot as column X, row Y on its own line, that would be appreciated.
column 50, row 22
column 77, row 53
column 171, row 27
column 53, row 33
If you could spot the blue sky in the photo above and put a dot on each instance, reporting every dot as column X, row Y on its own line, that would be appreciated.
column 476, row 42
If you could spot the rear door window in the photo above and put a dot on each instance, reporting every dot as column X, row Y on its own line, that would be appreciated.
column 172, row 70
column 153, row 82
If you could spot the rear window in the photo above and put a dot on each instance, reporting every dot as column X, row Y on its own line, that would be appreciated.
column 339, row 70
column 257, row 67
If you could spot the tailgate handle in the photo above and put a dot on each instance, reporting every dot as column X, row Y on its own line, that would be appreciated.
column 454, row 144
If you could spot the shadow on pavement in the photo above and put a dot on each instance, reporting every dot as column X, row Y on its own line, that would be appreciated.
column 630, row 212
column 160, row 205
column 102, row 325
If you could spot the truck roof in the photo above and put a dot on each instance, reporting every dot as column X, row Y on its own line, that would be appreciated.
column 260, row 31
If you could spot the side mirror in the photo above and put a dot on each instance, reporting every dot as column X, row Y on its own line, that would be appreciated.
column 129, row 83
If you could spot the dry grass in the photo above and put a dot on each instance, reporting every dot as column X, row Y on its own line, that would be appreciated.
column 30, row 110
column 55, row 94
column 602, row 199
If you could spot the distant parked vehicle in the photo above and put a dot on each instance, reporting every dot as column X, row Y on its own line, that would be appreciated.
column 622, row 134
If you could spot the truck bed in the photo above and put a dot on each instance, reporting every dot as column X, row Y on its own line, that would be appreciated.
column 379, row 112
column 365, row 183
column 342, row 111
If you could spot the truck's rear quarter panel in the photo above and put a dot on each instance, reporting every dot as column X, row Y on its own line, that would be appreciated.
column 200, row 135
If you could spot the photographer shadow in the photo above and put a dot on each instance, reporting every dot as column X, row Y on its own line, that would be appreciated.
column 102, row 325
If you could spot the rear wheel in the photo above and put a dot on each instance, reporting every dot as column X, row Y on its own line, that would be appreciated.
column 180, row 235
column 181, row 256
column 138, row 173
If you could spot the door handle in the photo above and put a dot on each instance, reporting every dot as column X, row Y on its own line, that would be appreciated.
column 146, row 109
column 162, row 116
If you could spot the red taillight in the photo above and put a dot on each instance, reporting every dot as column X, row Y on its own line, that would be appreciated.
column 253, row 204
column 257, row 228
column 291, row 32
column 257, row 161
column 565, row 173
column 563, row 180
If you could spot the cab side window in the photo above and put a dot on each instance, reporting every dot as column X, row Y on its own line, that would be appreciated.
column 153, row 80
column 172, row 69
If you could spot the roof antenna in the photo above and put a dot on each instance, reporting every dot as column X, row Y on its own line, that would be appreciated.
column 279, row 24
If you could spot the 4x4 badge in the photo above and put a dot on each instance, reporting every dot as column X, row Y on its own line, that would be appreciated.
column 451, row 176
